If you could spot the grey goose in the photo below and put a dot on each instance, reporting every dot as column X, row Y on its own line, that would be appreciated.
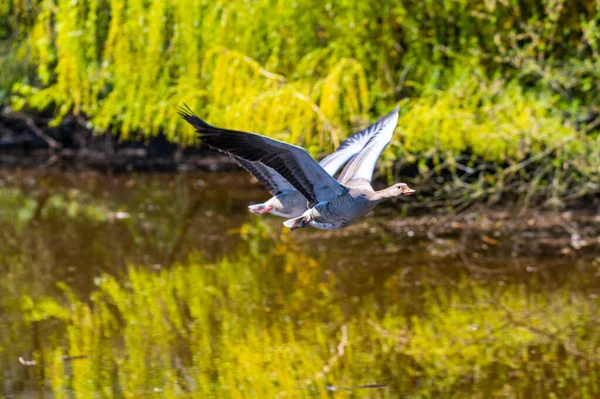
column 289, row 202
column 323, row 201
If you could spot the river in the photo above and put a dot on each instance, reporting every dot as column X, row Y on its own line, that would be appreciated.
column 164, row 285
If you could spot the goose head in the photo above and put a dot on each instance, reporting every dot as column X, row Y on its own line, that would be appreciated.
column 402, row 190
column 396, row 191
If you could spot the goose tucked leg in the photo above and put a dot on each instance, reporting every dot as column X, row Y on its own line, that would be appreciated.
column 260, row 209
column 298, row 223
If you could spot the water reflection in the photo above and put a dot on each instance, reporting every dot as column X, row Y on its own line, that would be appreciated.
column 168, row 287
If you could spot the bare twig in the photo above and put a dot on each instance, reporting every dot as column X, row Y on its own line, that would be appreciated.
column 522, row 165
column 341, row 349
column 36, row 129
column 595, row 123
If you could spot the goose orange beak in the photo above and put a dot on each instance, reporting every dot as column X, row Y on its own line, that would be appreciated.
column 408, row 191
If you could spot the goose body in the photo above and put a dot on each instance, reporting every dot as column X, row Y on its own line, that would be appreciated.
column 289, row 202
column 333, row 215
column 328, row 203
column 286, row 201
column 355, row 203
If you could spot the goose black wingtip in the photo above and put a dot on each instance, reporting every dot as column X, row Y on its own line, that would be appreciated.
column 186, row 113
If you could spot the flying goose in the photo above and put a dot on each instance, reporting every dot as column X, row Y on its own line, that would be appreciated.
column 332, row 204
column 287, row 201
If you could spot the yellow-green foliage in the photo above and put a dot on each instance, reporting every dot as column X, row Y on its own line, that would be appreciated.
column 492, row 119
column 133, row 70
column 309, row 71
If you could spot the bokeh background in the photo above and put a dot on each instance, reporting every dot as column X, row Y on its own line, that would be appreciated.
column 120, row 281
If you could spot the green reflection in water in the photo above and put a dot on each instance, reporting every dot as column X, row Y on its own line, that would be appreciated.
column 271, row 324
column 269, row 319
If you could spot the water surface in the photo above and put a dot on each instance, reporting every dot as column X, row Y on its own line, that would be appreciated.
column 164, row 285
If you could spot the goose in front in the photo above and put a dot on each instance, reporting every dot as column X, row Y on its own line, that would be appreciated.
column 332, row 204
column 289, row 202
